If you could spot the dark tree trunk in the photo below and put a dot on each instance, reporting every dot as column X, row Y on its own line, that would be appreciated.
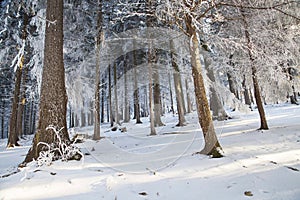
column 136, row 95
column 171, row 94
column 102, row 101
column 257, row 95
column 151, row 103
column 14, row 125
column 246, row 92
column 157, row 100
column 13, row 134
column 53, row 99
column 126, row 102
column 2, row 118
column 111, row 118
column 178, row 88
column 99, row 40
column 116, row 96
column 188, row 98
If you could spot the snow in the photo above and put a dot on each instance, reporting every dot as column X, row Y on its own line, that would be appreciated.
column 134, row 165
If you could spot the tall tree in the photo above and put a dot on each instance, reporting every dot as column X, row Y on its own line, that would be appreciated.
column 53, row 100
column 99, row 40
column 16, row 115
column 257, row 93
column 188, row 15
column 177, row 86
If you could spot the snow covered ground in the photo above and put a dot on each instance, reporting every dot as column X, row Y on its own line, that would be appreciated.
column 127, row 166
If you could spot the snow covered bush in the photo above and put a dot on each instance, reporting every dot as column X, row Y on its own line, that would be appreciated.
column 65, row 151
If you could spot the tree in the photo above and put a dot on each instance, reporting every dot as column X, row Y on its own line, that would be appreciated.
column 186, row 15
column 99, row 40
column 178, row 88
column 53, row 101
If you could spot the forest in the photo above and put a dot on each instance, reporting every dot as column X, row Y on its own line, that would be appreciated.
column 144, row 99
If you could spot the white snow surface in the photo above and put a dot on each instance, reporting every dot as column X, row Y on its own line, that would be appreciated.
column 133, row 165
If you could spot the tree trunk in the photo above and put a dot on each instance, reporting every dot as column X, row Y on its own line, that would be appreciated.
column 14, row 125
column 111, row 118
column 136, row 97
column 157, row 100
column 126, row 102
column 212, row 146
column 232, row 85
column 151, row 106
column 2, row 118
column 216, row 105
column 171, row 94
column 53, row 100
column 178, row 88
column 13, row 137
column 102, row 102
column 99, row 40
column 246, row 92
column 188, row 98
column 116, row 96
column 257, row 95
column 83, row 114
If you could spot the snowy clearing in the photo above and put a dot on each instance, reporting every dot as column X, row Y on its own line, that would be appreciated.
column 257, row 164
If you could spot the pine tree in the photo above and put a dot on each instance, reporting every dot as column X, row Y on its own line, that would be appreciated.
column 53, row 100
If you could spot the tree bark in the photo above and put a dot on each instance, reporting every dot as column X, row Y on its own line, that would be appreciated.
column 102, row 101
column 99, row 40
column 126, row 102
column 2, row 118
column 111, row 118
column 151, row 106
column 116, row 96
column 136, row 97
column 157, row 100
column 15, row 126
column 216, row 105
column 257, row 95
column 171, row 94
column 212, row 146
column 188, row 98
column 178, row 88
column 246, row 92
column 13, row 137
column 53, row 100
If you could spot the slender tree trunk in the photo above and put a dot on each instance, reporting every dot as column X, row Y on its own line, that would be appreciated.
column 99, row 40
column 216, row 106
column 126, row 102
column 2, row 118
column 246, row 92
column 178, row 88
column 188, row 98
column 14, row 126
column 136, row 97
column 157, row 100
column 53, row 100
column 171, row 94
column 212, row 146
column 257, row 95
column 111, row 118
column 151, row 106
column 102, row 101
column 232, row 85
column 21, row 106
column 13, row 135
column 107, row 110
column 116, row 95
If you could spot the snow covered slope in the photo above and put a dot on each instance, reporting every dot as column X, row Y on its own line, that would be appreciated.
column 257, row 164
